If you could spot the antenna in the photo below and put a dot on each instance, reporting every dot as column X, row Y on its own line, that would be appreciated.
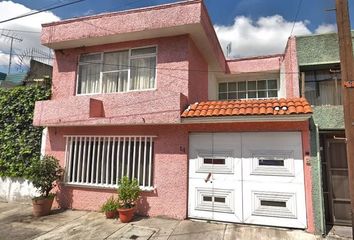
column 12, row 38
column 228, row 49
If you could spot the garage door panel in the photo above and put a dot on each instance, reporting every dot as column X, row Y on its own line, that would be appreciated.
column 248, row 177
column 274, row 204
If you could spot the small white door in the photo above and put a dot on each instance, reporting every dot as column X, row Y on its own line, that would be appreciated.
column 252, row 178
column 215, row 177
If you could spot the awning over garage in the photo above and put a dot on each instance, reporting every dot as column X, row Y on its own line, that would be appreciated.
column 264, row 109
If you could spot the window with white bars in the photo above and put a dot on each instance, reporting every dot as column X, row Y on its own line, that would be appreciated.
column 103, row 160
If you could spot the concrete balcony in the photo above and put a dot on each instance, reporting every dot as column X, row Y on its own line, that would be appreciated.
column 138, row 108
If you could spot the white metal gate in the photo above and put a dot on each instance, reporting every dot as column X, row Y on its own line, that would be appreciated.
column 252, row 178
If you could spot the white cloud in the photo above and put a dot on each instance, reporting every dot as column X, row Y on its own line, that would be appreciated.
column 326, row 28
column 9, row 9
column 267, row 35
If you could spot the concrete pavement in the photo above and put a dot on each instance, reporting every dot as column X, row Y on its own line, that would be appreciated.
column 17, row 223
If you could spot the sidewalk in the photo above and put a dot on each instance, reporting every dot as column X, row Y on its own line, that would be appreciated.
column 17, row 223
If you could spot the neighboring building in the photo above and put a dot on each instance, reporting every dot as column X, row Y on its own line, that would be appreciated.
column 2, row 76
column 148, row 93
column 38, row 73
column 318, row 59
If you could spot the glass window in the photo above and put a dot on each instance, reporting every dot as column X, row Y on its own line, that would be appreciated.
column 323, row 87
column 101, row 161
column 248, row 89
column 109, row 72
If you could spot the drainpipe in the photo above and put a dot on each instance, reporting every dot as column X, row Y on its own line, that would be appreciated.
column 319, row 166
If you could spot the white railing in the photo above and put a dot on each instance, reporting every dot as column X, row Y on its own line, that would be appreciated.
column 99, row 161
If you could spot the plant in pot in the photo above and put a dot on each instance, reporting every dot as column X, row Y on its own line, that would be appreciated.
column 44, row 174
column 128, row 194
column 110, row 207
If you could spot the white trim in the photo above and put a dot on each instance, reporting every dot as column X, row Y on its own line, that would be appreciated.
column 265, row 118
column 89, row 185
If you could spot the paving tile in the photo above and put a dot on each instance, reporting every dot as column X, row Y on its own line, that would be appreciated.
column 164, row 226
column 236, row 231
column 198, row 231
column 92, row 225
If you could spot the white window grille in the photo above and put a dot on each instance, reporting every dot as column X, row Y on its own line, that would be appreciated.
column 248, row 89
column 102, row 160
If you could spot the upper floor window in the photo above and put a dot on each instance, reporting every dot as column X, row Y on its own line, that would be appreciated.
column 248, row 89
column 323, row 87
column 120, row 71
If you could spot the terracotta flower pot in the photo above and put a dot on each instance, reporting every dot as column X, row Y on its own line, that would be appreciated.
column 126, row 214
column 42, row 207
column 111, row 214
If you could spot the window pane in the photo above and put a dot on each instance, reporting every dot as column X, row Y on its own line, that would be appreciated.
column 142, row 51
column 232, row 95
column 262, row 94
column 219, row 199
column 222, row 87
column 272, row 84
column 142, row 73
column 115, row 82
column 269, row 203
column 252, row 85
column 272, row 93
column 89, row 78
column 241, row 86
column 89, row 58
column 252, row 94
column 262, row 84
column 232, row 87
column 115, row 61
column 242, row 95
column 222, row 96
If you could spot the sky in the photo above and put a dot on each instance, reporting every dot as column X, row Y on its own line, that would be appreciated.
column 253, row 27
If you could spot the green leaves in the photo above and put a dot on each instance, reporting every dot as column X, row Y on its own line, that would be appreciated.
column 110, row 205
column 19, row 139
column 43, row 173
column 128, row 192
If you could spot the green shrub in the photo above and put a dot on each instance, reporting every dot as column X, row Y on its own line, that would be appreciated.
column 43, row 173
column 110, row 205
column 128, row 192
column 20, row 141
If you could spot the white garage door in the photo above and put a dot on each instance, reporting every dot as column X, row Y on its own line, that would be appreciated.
column 252, row 178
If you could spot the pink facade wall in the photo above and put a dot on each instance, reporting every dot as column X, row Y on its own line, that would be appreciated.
column 170, row 164
column 256, row 64
column 98, row 26
column 291, row 69
column 176, row 86
column 198, row 75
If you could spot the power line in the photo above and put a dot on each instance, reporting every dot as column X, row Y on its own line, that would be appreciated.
column 14, row 30
column 296, row 16
column 42, row 10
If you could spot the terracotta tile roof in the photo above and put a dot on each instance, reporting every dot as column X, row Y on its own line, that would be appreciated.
column 248, row 107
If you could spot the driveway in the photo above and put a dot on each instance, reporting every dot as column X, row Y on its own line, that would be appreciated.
column 17, row 223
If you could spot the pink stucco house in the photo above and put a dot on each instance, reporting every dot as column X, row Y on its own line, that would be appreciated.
column 148, row 93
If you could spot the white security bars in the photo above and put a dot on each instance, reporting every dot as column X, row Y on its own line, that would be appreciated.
column 102, row 160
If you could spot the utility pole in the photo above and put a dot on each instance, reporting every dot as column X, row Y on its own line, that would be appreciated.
column 347, row 72
column 12, row 38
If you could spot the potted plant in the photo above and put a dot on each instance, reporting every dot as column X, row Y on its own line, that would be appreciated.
column 44, row 173
column 110, row 207
column 128, row 194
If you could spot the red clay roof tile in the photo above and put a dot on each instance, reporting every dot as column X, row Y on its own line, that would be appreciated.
column 248, row 107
